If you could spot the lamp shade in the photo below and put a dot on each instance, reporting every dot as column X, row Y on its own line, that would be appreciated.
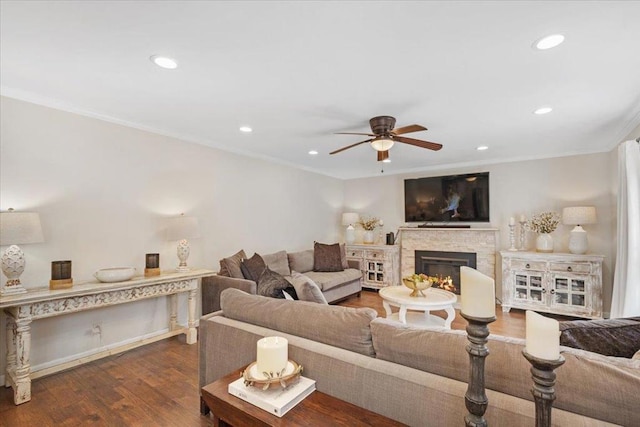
column 350, row 218
column 183, row 227
column 17, row 228
column 579, row 215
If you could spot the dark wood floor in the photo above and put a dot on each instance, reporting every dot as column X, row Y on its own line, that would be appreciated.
column 153, row 385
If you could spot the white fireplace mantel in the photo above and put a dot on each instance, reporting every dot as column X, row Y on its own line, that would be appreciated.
column 481, row 241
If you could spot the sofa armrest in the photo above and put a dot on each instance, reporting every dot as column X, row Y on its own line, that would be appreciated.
column 212, row 286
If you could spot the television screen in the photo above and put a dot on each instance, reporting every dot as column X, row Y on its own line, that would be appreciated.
column 463, row 198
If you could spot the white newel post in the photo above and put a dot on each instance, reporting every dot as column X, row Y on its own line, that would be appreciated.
column 192, row 333
column 11, row 350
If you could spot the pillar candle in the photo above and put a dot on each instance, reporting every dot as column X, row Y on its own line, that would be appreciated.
column 272, row 354
column 478, row 293
column 512, row 221
column 543, row 336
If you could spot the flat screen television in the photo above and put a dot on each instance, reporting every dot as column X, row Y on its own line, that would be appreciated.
column 453, row 198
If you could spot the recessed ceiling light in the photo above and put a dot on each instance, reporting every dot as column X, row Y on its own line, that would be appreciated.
column 543, row 110
column 548, row 42
column 482, row 148
column 386, row 161
column 245, row 129
column 164, row 62
column 313, row 152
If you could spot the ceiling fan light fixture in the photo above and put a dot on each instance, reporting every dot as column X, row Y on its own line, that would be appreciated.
column 386, row 161
column 382, row 143
column 543, row 110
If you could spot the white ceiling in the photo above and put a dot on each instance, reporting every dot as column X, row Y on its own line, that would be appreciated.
column 299, row 71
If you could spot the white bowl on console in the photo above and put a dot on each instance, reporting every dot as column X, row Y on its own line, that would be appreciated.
column 115, row 274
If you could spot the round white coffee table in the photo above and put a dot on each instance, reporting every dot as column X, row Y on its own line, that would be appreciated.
column 434, row 299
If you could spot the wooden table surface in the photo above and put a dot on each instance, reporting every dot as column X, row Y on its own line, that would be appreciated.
column 316, row 409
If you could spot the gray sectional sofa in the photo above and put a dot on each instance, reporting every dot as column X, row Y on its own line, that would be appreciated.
column 334, row 285
column 415, row 376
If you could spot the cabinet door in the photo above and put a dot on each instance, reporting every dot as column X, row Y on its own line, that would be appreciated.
column 569, row 293
column 529, row 288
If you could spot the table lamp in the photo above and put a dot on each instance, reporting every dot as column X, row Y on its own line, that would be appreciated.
column 578, row 216
column 17, row 228
column 182, row 228
column 348, row 219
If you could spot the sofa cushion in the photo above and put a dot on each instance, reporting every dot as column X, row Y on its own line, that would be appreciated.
column 329, row 280
column 344, row 327
column 231, row 266
column 278, row 262
column 301, row 261
column 307, row 289
column 604, row 385
column 611, row 337
column 253, row 267
column 327, row 257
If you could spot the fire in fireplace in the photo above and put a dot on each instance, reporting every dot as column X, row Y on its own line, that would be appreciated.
column 445, row 266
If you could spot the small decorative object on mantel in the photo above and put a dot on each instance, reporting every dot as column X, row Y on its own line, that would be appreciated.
column 418, row 283
column 152, row 265
column 543, row 352
column 60, row 275
column 479, row 309
column 544, row 224
column 369, row 225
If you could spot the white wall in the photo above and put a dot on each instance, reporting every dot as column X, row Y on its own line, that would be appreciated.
column 103, row 192
column 526, row 187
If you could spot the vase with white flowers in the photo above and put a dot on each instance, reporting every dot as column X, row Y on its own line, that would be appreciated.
column 369, row 225
column 544, row 224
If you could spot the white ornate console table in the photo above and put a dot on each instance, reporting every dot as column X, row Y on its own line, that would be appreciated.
column 40, row 303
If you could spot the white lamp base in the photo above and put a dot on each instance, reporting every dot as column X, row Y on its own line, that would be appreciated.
column 350, row 235
column 578, row 241
column 13, row 263
column 183, row 254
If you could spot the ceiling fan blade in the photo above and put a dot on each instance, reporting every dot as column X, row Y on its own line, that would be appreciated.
column 353, row 133
column 418, row 143
column 383, row 155
column 408, row 129
column 350, row 146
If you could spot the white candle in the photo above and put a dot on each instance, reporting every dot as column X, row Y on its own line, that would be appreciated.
column 543, row 336
column 381, row 223
column 512, row 221
column 523, row 218
column 478, row 293
column 273, row 354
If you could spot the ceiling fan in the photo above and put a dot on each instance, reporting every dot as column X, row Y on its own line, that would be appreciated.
column 384, row 136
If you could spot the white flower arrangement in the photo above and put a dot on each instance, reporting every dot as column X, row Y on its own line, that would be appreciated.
column 545, row 222
column 370, row 224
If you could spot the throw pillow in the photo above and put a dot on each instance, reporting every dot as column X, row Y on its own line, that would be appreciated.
column 271, row 284
column 231, row 266
column 253, row 267
column 343, row 256
column 327, row 257
column 307, row 289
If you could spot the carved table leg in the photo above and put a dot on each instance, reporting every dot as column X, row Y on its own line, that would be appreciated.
column 173, row 312
column 192, row 333
column 451, row 314
column 22, row 381
column 387, row 308
column 11, row 351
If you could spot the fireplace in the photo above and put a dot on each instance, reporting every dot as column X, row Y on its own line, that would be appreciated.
column 445, row 266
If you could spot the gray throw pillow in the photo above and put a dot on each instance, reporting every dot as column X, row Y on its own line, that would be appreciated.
column 307, row 289
column 271, row 284
column 327, row 257
column 231, row 266
column 253, row 267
